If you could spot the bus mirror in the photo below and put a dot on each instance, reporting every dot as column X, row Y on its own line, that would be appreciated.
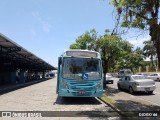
column 102, row 63
column 104, row 78
column 60, row 61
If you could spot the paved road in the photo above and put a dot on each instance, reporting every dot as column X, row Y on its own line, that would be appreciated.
column 153, row 99
column 42, row 97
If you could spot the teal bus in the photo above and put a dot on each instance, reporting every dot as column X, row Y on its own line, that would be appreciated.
column 80, row 74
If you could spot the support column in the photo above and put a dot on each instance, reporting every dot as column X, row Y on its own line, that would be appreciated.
column 43, row 74
column 13, row 78
column 22, row 76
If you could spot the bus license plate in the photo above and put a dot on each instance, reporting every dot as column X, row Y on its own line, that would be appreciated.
column 82, row 92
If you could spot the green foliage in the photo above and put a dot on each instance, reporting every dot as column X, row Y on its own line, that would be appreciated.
column 136, row 13
column 74, row 46
column 141, row 14
column 115, row 52
column 110, row 50
column 149, row 51
column 85, row 40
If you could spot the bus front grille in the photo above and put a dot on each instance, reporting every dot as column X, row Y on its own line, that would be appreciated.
column 82, row 86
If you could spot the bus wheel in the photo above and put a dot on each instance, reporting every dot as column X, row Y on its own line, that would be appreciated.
column 150, row 92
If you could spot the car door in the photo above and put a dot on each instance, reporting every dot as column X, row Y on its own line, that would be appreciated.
column 121, row 82
column 127, row 82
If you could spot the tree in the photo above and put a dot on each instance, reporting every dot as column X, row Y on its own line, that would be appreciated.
column 141, row 14
column 115, row 52
column 85, row 41
column 132, row 60
column 109, row 47
column 149, row 51
column 74, row 46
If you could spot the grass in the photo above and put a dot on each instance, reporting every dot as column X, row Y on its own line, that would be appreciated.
column 107, row 99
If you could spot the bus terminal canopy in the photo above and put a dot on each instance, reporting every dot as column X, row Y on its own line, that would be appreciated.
column 15, row 57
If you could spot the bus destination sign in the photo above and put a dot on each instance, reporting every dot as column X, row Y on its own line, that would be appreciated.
column 81, row 54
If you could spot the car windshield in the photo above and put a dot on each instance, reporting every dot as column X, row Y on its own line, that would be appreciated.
column 142, row 77
column 128, row 72
column 74, row 68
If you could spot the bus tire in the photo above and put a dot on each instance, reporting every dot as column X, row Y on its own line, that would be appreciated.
column 150, row 92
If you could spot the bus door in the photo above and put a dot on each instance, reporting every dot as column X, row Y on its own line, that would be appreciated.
column 58, row 73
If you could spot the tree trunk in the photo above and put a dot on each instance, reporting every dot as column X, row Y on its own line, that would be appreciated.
column 152, row 68
column 158, row 50
column 155, row 37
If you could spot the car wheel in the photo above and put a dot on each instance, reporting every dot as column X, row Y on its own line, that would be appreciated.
column 157, row 79
column 131, row 90
column 150, row 92
column 111, row 82
column 119, row 87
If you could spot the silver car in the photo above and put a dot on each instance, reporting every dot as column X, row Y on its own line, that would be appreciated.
column 155, row 76
column 109, row 78
column 136, row 83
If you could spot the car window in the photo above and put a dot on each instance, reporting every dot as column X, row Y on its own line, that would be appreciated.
column 127, row 78
column 152, row 75
column 139, row 77
column 121, row 72
column 123, row 78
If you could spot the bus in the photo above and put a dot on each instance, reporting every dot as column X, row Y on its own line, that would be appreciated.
column 80, row 74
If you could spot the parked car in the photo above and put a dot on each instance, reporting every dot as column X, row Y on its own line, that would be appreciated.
column 124, row 72
column 136, row 83
column 145, row 74
column 155, row 76
column 114, row 75
column 109, row 78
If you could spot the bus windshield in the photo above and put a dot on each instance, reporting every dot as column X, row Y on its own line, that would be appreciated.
column 74, row 68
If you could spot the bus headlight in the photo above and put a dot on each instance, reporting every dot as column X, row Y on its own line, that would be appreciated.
column 64, row 84
column 98, row 86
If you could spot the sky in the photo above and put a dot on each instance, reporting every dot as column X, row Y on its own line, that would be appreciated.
column 48, row 27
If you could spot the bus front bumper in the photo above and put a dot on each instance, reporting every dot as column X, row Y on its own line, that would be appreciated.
column 82, row 93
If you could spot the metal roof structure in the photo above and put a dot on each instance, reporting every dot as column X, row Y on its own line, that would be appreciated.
column 14, row 57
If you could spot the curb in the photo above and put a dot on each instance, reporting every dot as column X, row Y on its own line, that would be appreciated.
column 113, row 107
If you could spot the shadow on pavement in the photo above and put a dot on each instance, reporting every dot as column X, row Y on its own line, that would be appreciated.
column 130, row 105
column 111, row 91
column 77, row 101
column 10, row 88
column 131, row 109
